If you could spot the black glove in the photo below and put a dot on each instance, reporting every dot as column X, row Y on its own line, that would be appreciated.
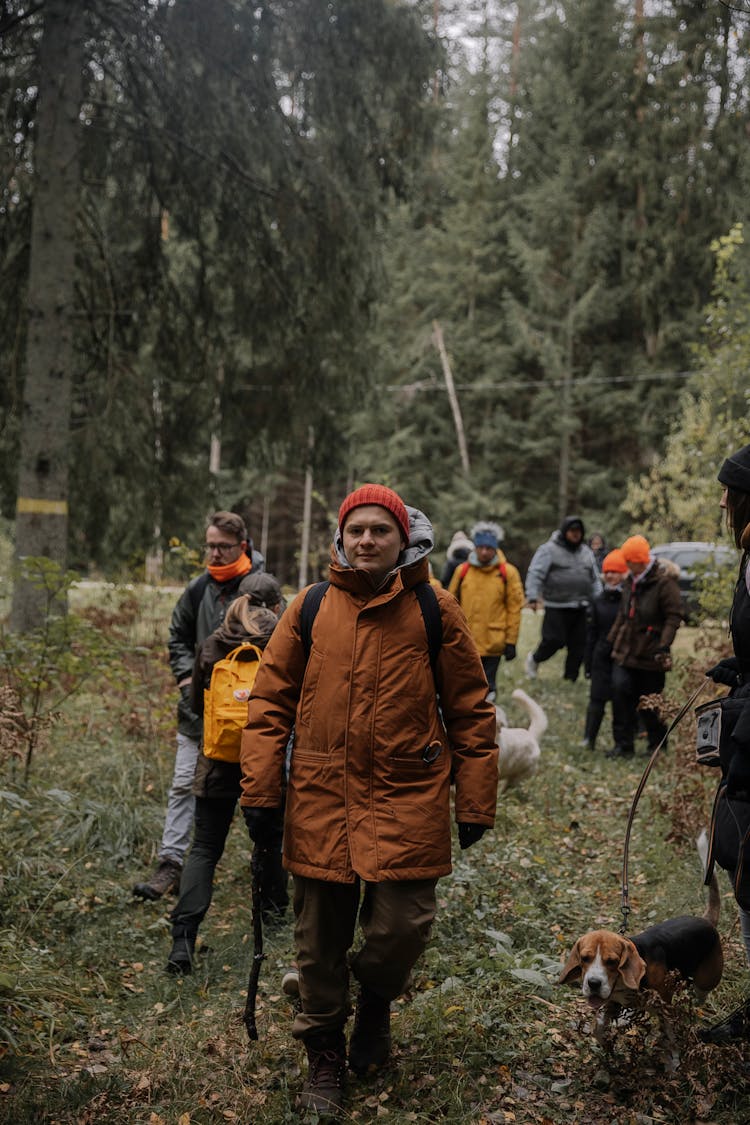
column 510, row 652
column 468, row 834
column 265, row 826
column 727, row 672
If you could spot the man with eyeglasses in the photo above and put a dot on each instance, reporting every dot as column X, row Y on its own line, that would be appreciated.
column 199, row 611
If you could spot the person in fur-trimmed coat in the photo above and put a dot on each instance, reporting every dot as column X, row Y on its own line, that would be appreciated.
column 649, row 616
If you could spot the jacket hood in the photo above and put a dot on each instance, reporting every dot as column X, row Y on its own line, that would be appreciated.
column 572, row 521
column 421, row 542
column 459, row 542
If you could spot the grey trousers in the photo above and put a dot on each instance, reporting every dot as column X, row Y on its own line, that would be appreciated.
column 396, row 920
column 178, row 823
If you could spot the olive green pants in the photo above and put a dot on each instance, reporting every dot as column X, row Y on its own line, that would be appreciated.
column 395, row 919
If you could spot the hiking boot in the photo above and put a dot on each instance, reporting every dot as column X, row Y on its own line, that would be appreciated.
column 735, row 1026
column 620, row 752
column 181, row 956
column 164, row 881
column 324, row 1089
column 530, row 666
column 370, row 1044
column 290, row 983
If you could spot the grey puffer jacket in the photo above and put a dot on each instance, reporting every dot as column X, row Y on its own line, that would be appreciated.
column 562, row 577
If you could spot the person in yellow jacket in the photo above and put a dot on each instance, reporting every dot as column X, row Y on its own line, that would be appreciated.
column 490, row 592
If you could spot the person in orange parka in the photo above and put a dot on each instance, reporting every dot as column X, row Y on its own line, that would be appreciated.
column 367, row 826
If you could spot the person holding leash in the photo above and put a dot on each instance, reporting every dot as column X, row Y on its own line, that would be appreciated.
column 647, row 621
column 367, row 823
column 732, row 807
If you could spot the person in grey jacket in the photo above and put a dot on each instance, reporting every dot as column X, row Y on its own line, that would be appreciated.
column 562, row 579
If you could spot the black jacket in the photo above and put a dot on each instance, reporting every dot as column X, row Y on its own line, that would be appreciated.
column 598, row 654
column 198, row 612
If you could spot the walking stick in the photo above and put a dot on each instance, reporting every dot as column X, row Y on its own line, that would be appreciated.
column 248, row 1017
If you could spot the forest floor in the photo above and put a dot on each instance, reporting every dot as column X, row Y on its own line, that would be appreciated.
column 92, row 1029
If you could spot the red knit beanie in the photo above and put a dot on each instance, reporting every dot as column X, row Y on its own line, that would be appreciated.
column 614, row 563
column 636, row 549
column 383, row 497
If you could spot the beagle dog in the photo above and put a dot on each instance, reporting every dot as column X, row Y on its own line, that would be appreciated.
column 615, row 971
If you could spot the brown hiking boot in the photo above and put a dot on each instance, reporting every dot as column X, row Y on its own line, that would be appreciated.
column 370, row 1044
column 324, row 1089
column 165, row 880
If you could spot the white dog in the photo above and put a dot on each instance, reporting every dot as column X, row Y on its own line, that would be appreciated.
column 519, row 746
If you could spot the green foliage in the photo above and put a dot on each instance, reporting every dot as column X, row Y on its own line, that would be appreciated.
column 43, row 668
column 678, row 498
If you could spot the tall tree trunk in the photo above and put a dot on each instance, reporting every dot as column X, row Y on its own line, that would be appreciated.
column 42, row 504
column 304, row 551
column 458, row 422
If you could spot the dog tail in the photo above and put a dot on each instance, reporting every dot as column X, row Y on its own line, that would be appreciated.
column 714, row 897
column 537, row 717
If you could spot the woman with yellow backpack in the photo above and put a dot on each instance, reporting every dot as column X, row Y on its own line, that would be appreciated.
column 224, row 671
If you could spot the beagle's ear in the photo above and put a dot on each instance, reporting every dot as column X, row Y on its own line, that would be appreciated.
column 572, row 970
column 632, row 967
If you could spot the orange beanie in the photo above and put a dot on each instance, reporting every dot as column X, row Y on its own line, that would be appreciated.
column 614, row 563
column 382, row 496
column 636, row 549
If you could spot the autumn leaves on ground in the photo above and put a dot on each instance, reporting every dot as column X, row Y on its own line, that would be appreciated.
column 93, row 1030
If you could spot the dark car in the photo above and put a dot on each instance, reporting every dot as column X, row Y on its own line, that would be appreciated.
column 696, row 561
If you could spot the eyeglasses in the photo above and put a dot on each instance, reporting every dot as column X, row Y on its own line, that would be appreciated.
column 222, row 548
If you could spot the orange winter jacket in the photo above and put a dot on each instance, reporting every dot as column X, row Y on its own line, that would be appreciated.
column 370, row 776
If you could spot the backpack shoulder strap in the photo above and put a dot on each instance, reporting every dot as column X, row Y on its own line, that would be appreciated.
column 433, row 622
column 463, row 570
column 502, row 570
column 244, row 646
column 310, row 607
column 196, row 592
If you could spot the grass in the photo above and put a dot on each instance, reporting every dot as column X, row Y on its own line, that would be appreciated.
column 95, row 1031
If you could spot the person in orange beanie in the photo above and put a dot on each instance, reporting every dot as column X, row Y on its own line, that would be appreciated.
column 649, row 616
column 598, row 654
column 378, row 768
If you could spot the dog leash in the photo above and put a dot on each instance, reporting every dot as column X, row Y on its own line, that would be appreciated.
column 637, row 796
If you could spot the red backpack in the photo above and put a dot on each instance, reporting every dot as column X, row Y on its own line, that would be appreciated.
column 463, row 570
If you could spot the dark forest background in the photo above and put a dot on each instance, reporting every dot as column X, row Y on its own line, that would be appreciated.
column 297, row 224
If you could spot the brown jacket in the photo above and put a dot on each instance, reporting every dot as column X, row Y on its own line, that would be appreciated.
column 649, row 616
column 361, row 798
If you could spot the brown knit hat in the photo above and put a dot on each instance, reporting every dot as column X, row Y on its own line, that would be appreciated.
column 636, row 549
column 382, row 496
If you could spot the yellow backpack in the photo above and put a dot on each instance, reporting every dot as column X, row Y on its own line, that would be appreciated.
column 225, row 703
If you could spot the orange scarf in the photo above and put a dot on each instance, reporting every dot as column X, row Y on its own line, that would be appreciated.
column 240, row 566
